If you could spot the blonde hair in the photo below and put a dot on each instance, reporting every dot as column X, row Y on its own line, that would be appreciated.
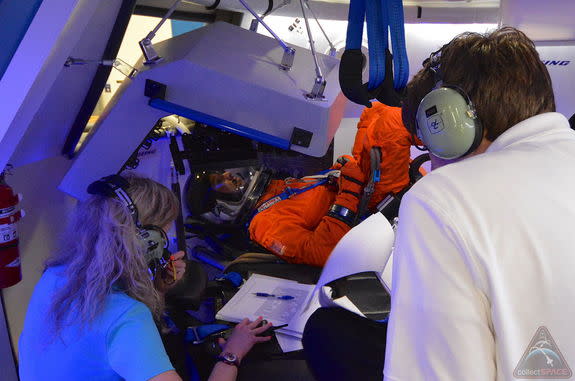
column 103, row 254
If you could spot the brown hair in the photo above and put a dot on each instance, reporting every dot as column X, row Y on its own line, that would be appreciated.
column 500, row 71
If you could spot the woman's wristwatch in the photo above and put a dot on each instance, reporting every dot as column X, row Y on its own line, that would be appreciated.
column 229, row 358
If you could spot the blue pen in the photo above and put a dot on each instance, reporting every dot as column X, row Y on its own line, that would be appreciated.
column 266, row 295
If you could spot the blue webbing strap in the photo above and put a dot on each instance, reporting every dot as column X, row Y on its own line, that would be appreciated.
column 233, row 277
column 287, row 193
column 198, row 334
column 382, row 16
column 396, row 26
column 355, row 20
column 378, row 41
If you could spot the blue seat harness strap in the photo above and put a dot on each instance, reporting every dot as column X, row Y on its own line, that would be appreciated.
column 287, row 193
column 198, row 334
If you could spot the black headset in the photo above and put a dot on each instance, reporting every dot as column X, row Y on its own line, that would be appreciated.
column 152, row 238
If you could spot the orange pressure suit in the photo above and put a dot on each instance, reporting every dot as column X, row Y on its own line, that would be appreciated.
column 298, row 229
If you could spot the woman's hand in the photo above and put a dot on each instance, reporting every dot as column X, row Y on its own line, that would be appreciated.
column 172, row 273
column 244, row 337
column 176, row 266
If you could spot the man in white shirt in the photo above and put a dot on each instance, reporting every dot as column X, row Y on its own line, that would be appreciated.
column 485, row 251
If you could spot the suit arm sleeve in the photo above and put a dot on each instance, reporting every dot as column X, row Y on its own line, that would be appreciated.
column 440, row 327
column 294, row 242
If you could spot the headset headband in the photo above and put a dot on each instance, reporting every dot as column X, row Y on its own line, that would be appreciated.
column 115, row 186
column 435, row 67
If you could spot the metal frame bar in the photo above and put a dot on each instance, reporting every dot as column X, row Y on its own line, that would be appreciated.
column 284, row 46
column 289, row 53
column 163, row 20
column 319, row 84
column 100, row 78
column 332, row 50
column 146, row 45
column 143, row 10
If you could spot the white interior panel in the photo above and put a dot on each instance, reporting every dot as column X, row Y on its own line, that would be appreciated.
column 560, row 61
column 549, row 20
column 50, row 38
column 223, row 71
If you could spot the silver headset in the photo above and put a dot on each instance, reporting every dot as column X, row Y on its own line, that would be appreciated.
column 446, row 119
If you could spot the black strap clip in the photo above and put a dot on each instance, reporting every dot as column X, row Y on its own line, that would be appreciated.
column 350, row 80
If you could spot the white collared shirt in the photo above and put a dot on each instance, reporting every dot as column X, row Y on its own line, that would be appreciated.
column 484, row 256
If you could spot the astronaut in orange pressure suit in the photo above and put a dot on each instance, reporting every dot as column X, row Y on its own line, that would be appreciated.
column 306, row 227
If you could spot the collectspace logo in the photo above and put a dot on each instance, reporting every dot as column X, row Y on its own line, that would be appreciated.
column 542, row 359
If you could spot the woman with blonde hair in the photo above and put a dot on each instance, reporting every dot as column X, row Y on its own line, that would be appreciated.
column 92, row 315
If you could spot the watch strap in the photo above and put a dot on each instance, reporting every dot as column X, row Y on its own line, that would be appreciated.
column 342, row 213
column 229, row 358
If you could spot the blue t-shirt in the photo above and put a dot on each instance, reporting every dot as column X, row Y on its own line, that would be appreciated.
column 122, row 342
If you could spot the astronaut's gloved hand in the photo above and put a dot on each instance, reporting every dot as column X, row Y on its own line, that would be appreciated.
column 351, row 178
column 350, row 187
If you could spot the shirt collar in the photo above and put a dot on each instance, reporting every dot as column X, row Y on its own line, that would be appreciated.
column 537, row 125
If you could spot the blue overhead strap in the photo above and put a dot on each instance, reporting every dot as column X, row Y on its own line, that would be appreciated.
column 377, row 37
column 396, row 26
column 355, row 21
column 384, row 19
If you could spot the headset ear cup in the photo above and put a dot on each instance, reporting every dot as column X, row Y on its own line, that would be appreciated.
column 418, row 134
column 153, row 241
column 478, row 131
column 472, row 113
column 447, row 123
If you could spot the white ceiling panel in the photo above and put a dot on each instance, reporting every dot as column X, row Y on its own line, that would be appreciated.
column 549, row 20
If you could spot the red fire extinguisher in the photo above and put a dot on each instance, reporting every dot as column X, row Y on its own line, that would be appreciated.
column 10, row 270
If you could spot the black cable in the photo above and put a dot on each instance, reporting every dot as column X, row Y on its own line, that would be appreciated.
column 213, row 6
column 414, row 166
column 270, row 8
column 180, row 229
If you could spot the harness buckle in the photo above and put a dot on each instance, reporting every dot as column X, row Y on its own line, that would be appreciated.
column 192, row 333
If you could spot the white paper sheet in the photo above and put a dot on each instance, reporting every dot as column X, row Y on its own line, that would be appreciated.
column 297, row 324
column 344, row 302
column 366, row 247
column 289, row 343
column 386, row 276
column 245, row 304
